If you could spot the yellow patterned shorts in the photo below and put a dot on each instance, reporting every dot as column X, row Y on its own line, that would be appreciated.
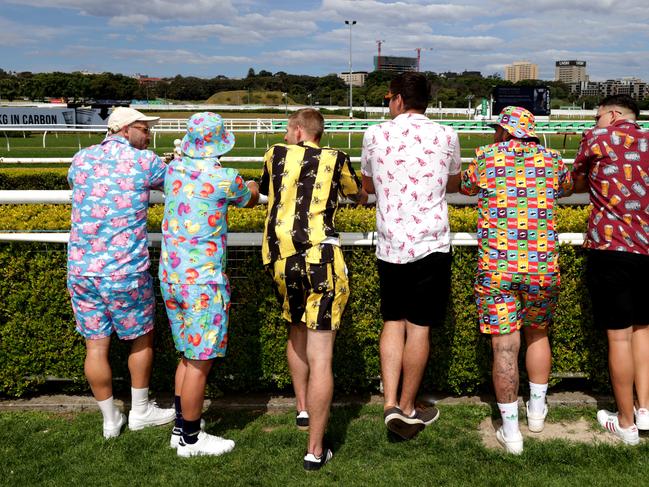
column 313, row 287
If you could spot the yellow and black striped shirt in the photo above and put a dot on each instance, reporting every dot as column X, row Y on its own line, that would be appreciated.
column 302, row 182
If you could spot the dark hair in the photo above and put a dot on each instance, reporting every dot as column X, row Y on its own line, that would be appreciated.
column 310, row 120
column 623, row 101
column 414, row 89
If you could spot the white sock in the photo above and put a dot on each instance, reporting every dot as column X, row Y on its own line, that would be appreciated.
column 509, row 414
column 139, row 400
column 109, row 411
column 537, row 397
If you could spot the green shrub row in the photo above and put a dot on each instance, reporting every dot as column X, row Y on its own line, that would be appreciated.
column 37, row 337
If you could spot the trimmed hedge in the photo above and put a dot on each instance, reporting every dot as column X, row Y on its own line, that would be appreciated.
column 37, row 337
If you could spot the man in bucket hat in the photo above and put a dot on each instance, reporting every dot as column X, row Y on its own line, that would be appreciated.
column 517, row 283
column 108, row 262
column 195, row 288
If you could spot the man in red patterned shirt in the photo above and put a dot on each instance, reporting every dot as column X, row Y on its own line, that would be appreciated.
column 517, row 284
column 613, row 164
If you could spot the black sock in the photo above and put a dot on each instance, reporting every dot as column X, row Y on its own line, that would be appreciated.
column 191, row 430
column 179, row 413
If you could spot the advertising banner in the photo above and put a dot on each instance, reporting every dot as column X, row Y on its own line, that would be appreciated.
column 28, row 116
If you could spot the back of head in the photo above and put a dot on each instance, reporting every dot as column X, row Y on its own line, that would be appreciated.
column 621, row 101
column 518, row 122
column 310, row 121
column 414, row 89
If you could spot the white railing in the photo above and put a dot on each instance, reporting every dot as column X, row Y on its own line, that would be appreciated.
column 235, row 239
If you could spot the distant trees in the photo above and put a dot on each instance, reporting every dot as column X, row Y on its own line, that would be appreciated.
column 447, row 88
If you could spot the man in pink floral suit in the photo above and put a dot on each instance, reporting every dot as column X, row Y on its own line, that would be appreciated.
column 108, row 262
column 410, row 163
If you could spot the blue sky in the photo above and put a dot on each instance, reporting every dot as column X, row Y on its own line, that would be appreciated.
column 227, row 37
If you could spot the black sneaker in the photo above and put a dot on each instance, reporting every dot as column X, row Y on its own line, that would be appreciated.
column 427, row 415
column 311, row 462
column 401, row 425
column 302, row 420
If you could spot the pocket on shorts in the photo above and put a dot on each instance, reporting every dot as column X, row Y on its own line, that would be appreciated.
column 320, row 277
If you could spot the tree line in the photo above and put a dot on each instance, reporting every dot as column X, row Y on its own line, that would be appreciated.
column 448, row 89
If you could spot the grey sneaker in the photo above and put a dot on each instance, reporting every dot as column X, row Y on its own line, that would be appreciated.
column 427, row 415
column 153, row 416
column 401, row 425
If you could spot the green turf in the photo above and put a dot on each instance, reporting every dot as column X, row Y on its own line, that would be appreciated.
column 65, row 145
column 67, row 449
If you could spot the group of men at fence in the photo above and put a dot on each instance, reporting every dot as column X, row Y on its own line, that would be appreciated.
column 409, row 163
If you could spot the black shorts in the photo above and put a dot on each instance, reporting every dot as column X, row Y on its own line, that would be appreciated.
column 618, row 283
column 416, row 291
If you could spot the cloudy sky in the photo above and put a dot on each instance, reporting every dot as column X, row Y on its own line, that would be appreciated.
column 227, row 37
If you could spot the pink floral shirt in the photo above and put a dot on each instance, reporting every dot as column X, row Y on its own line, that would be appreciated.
column 409, row 160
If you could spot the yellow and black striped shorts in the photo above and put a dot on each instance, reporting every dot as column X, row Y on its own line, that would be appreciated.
column 313, row 287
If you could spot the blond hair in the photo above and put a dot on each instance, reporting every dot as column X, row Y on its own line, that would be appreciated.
column 309, row 120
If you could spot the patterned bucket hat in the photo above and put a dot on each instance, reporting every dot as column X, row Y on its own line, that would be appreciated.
column 518, row 121
column 206, row 136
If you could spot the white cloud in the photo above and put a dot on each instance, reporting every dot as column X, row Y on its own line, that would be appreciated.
column 22, row 33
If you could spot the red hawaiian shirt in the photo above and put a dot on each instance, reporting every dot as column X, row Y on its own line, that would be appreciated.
column 616, row 161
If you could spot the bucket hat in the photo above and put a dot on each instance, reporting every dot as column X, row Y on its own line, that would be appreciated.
column 206, row 136
column 518, row 121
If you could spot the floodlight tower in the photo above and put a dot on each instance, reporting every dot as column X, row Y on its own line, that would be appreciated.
column 350, row 23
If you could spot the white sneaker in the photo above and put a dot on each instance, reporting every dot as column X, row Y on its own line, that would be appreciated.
column 609, row 421
column 536, row 421
column 177, row 433
column 113, row 430
column 641, row 418
column 153, row 416
column 512, row 445
column 206, row 445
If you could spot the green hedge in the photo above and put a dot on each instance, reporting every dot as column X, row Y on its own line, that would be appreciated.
column 37, row 337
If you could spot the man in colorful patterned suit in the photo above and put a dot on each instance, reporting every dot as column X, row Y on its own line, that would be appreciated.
column 613, row 165
column 108, row 262
column 195, row 288
column 301, row 250
column 517, row 283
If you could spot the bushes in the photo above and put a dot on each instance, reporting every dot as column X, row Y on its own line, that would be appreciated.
column 37, row 337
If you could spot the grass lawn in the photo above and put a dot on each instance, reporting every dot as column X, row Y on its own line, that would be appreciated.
column 65, row 145
column 68, row 449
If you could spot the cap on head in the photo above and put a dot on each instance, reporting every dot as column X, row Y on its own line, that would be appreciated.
column 120, row 117
column 518, row 122
column 206, row 136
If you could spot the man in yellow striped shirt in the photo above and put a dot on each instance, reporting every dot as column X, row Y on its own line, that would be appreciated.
column 301, row 250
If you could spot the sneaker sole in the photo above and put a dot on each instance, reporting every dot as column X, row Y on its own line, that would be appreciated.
column 404, row 429
column 185, row 453
column 135, row 425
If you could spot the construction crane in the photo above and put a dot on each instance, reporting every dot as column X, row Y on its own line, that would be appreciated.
column 419, row 49
column 378, row 58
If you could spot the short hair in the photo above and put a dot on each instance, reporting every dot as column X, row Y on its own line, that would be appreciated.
column 414, row 89
column 310, row 120
column 624, row 101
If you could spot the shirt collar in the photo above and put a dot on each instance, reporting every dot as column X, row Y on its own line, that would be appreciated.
column 115, row 138
column 411, row 116
column 617, row 123
column 308, row 143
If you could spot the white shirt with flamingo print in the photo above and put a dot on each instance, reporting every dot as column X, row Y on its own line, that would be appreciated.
column 409, row 160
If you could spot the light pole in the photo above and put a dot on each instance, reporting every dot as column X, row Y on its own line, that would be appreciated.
column 286, row 100
column 350, row 23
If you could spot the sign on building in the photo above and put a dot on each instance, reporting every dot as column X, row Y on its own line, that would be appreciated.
column 536, row 99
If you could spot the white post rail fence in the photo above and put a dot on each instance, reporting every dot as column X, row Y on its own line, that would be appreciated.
column 235, row 239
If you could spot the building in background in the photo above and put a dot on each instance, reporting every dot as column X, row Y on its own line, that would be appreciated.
column 396, row 64
column 634, row 87
column 570, row 71
column 357, row 78
column 520, row 70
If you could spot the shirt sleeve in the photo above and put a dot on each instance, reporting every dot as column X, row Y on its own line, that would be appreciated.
column 238, row 193
column 349, row 182
column 455, row 165
column 471, row 179
column 366, row 160
column 157, row 172
column 582, row 159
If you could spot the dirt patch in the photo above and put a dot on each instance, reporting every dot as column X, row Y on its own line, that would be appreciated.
column 580, row 431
